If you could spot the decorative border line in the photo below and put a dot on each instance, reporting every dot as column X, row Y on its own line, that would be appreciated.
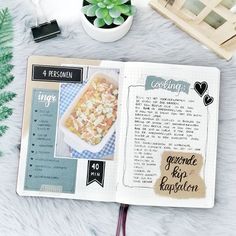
column 126, row 137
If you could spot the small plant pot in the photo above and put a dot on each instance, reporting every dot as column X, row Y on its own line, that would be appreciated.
column 106, row 34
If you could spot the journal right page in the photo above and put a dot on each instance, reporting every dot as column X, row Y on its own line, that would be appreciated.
column 167, row 139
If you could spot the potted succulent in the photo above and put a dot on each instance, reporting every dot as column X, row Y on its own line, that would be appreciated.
column 107, row 20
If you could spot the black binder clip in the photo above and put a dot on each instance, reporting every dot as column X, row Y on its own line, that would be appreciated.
column 45, row 31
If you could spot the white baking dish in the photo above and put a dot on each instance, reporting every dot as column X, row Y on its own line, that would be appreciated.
column 74, row 140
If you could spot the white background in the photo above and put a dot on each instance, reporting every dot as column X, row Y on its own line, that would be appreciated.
column 152, row 39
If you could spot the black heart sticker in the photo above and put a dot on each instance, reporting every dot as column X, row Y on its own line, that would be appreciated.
column 200, row 87
column 208, row 100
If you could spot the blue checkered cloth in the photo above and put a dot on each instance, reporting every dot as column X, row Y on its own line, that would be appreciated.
column 67, row 94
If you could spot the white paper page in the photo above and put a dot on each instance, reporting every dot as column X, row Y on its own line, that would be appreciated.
column 166, row 117
column 52, row 162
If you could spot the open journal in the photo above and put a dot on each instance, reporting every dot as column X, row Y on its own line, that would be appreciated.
column 128, row 132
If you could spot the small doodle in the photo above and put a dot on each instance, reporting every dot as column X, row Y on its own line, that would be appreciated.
column 208, row 100
column 200, row 87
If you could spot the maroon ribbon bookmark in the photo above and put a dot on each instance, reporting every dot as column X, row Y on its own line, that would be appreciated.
column 122, row 220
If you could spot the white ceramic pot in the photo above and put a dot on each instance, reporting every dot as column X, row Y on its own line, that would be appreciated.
column 106, row 35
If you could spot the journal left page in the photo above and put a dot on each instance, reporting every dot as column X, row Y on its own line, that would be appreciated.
column 69, row 124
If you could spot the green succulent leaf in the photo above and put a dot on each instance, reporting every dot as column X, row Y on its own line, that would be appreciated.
column 101, row 5
column 131, row 12
column 85, row 9
column 110, row 6
column 107, row 12
column 108, row 20
column 107, row 2
column 120, row 2
column 92, row 10
column 124, row 8
column 92, row 1
column 99, row 22
column 114, row 12
column 101, row 13
column 119, row 20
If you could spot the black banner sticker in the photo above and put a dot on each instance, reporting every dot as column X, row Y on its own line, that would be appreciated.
column 96, row 172
column 57, row 74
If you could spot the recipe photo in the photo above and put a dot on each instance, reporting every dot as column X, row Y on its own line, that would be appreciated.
column 87, row 116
